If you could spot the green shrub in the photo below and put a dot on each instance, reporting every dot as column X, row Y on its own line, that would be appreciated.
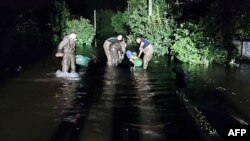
column 190, row 42
column 193, row 46
column 156, row 28
column 103, row 20
column 118, row 22
column 60, row 16
column 85, row 34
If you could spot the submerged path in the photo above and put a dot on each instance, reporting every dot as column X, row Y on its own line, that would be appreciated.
column 115, row 104
column 108, row 104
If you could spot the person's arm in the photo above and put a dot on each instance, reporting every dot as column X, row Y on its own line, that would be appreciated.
column 60, row 47
column 62, row 44
column 141, row 47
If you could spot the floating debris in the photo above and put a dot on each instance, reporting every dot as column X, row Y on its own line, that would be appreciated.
column 234, row 93
column 221, row 88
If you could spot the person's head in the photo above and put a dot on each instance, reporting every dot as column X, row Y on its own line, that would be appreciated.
column 138, row 40
column 72, row 36
column 119, row 37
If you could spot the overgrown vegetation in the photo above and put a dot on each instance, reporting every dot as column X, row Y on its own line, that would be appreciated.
column 85, row 34
column 193, row 46
column 59, row 18
column 197, row 37
column 63, row 23
column 185, row 39
column 137, row 23
column 118, row 21
column 103, row 20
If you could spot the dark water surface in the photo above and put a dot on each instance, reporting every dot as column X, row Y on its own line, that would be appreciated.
column 115, row 104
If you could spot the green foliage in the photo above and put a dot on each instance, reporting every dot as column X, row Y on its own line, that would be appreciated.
column 118, row 22
column 59, row 19
column 131, row 42
column 160, row 38
column 63, row 23
column 194, row 47
column 85, row 34
column 156, row 28
column 191, row 42
column 103, row 19
column 86, row 50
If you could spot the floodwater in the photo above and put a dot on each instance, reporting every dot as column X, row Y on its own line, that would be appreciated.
column 115, row 104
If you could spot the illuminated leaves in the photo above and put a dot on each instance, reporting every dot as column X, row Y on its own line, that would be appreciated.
column 156, row 28
column 84, row 30
column 194, row 47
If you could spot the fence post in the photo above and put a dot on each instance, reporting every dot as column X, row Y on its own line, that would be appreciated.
column 150, row 7
column 95, row 26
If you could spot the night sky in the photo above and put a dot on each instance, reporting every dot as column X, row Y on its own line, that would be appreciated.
column 78, row 5
column 86, row 7
column 24, row 3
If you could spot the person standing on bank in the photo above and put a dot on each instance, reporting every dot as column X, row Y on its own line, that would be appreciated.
column 107, row 43
column 66, row 49
column 147, row 49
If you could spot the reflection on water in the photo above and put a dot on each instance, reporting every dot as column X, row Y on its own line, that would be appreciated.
column 221, row 93
column 139, row 105
column 150, row 126
column 244, row 72
column 115, row 104
column 65, row 96
column 66, row 92
column 32, row 104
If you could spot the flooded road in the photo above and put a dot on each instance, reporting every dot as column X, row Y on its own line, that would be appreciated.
column 32, row 102
column 115, row 104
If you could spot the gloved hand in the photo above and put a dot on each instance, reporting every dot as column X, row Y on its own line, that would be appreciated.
column 59, row 54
